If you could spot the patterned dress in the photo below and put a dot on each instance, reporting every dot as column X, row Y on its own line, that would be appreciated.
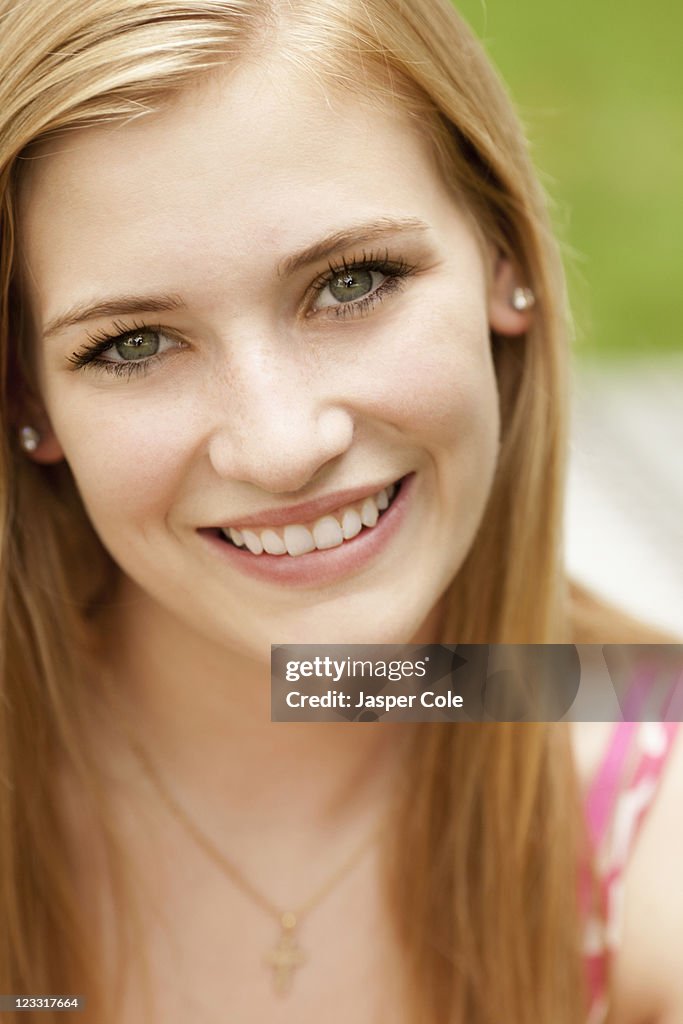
column 616, row 805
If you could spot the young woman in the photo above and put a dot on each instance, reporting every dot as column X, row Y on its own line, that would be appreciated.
column 285, row 361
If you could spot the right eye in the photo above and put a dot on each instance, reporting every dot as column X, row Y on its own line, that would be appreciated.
column 138, row 345
column 126, row 351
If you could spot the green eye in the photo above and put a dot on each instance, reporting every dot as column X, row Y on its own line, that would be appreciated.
column 138, row 345
column 351, row 284
column 355, row 286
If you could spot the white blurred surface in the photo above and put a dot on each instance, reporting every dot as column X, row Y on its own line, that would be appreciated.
column 624, row 510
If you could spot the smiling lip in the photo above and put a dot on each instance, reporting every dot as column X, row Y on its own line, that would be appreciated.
column 318, row 568
column 307, row 510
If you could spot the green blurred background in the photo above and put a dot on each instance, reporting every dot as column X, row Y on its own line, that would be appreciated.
column 599, row 88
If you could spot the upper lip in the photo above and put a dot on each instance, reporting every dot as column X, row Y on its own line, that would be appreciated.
column 307, row 510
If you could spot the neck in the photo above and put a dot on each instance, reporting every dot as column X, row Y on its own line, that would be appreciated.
column 202, row 715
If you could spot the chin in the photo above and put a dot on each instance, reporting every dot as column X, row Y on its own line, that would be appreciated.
column 363, row 627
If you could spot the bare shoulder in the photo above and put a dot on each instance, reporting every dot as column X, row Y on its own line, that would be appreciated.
column 648, row 975
column 589, row 743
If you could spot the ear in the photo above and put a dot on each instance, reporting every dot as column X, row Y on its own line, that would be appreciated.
column 49, row 450
column 503, row 317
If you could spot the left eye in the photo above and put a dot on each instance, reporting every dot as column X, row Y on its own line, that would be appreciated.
column 347, row 286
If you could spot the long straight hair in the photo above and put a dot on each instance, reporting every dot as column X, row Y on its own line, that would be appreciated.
column 487, row 831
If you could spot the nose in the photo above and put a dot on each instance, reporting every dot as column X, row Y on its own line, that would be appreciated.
column 278, row 426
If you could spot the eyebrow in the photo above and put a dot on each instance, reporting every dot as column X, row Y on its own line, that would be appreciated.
column 119, row 305
column 127, row 305
column 367, row 232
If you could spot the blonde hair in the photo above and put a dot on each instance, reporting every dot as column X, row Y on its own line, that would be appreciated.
column 483, row 883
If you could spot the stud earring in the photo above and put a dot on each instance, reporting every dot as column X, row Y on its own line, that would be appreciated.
column 522, row 299
column 29, row 439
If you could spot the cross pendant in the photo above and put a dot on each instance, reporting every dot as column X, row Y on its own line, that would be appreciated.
column 286, row 956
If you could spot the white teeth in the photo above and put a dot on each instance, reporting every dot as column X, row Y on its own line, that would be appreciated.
column 327, row 533
column 299, row 540
column 273, row 544
column 253, row 542
column 351, row 524
column 369, row 512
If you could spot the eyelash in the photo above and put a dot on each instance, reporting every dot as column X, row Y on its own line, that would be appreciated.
column 100, row 342
column 394, row 270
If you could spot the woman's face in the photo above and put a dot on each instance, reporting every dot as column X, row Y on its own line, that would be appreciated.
column 302, row 313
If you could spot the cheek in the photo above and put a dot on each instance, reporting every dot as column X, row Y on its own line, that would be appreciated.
column 436, row 382
column 126, row 456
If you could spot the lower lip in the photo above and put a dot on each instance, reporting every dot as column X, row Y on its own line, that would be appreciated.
column 320, row 567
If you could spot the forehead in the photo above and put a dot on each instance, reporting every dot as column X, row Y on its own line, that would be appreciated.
column 254, row 158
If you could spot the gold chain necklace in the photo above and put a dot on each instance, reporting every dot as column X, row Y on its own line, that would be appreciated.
column 286, row 956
